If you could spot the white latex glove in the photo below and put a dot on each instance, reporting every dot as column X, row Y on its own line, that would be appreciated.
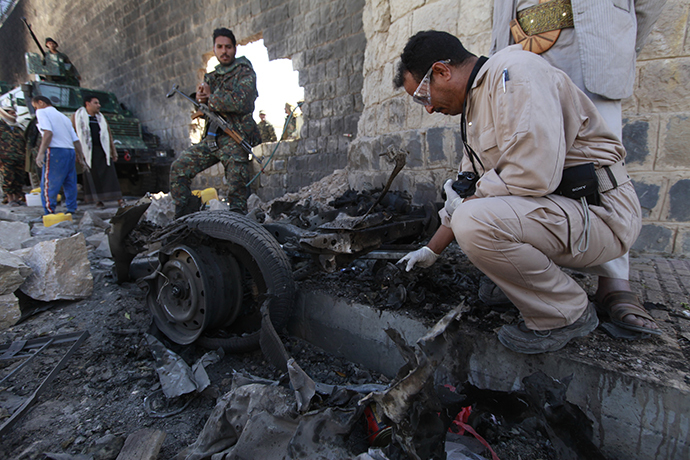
column 424, row 257
column 453, row 200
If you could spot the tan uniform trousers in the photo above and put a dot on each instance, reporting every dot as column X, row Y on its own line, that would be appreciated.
column 521, row 242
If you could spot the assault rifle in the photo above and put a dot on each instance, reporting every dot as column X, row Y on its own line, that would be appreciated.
column 216, row 120
column 35, row 39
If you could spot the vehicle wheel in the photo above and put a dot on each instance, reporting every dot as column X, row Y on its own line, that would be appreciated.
column 264, row 273
column 195, row 289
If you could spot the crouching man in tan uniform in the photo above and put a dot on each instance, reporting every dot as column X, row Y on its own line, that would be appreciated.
column 525, row 124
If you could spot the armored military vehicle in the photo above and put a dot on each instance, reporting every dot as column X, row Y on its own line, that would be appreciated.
column 142, row 165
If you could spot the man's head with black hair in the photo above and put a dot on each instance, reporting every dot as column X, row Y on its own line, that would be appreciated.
column 51, row 44
column 435, row 70
column 92, row 104
column 89, row 97
column 224, row 32
column 41, row 99
column 224, row 46
column 424, row 49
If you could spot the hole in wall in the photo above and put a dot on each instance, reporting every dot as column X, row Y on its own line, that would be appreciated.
column 277, row 84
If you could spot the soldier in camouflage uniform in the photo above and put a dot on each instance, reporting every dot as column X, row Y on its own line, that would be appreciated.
column 72, row 76
column 290, row 127
column 230, row 91
column 11, row 158
column 268, row 134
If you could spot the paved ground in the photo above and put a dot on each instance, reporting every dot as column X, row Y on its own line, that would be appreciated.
column 661, row 279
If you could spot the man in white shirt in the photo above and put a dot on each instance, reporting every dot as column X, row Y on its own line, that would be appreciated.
column 56, row 155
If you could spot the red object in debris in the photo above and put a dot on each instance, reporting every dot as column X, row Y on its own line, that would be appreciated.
column 458, row 425
column 379, row 434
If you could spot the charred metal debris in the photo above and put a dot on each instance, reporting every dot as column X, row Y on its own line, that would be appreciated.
column 26, row 357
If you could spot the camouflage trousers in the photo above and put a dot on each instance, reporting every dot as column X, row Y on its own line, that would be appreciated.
column 13, row 174
column 202, row 156
column 11, row 159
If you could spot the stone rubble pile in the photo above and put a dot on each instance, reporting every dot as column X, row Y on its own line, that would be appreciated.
column 49, row 263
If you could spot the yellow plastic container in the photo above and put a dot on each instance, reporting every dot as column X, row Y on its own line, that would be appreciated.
column 206, row 195
column 52, row 219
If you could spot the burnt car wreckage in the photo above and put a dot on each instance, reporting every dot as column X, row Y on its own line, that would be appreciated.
column 212, row 270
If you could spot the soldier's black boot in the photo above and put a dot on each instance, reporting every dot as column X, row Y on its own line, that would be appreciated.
column 193, row 204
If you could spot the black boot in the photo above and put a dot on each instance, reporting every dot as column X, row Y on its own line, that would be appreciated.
column 192, row 205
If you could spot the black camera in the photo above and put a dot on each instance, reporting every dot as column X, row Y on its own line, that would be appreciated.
column 466, row 184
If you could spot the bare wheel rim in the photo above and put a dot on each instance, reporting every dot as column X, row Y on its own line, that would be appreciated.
column 195, row 289
column 181, row 293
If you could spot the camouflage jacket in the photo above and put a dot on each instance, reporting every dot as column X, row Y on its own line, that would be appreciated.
column 268, row 134
column 11, row 141
column 290, row 128
column 71, row 75
column 233, row 92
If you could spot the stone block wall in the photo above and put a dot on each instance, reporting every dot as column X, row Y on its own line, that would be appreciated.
column 138, row 49
column 656, row 128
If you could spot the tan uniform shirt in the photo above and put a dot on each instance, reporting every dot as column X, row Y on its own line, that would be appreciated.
column 542, row 124
column 518, row 232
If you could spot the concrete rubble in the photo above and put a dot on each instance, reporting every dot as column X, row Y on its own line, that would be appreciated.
column 49, row 263
column 12, row 234
column 13, row 272
column 61, row 270
column 9, row 311
column 162, row 211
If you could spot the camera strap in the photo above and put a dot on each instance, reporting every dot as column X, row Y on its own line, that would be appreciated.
column 463, row 119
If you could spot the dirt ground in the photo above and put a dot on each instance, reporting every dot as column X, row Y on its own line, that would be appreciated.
column 98, row 399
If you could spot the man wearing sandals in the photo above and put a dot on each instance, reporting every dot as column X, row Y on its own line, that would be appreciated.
column 596, row 45
column 524, row 125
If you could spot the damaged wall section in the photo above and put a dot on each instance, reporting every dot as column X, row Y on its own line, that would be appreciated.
column 139, row 49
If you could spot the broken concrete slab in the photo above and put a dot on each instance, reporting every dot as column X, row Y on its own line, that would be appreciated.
column 12, row 234
column 61, row 270
column 13, row 272
column 106, row 447
column 34, row 240
column 91, row 219
column 60, row 230
column 142, row 445
column 648, row 405
column 9, row 311
column 100, row 242
column 161, row 212
column 8, row 215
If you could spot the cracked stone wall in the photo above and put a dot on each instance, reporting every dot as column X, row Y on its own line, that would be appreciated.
column 345, row 52
column 656, row 118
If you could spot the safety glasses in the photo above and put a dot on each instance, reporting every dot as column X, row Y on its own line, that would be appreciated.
column 422, row 94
